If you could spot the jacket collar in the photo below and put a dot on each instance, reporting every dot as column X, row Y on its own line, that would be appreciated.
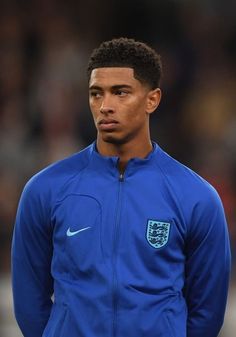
column 109, row 164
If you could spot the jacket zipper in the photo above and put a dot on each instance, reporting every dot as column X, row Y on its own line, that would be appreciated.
column 114, row 257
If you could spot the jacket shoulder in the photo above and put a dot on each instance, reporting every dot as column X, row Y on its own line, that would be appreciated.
column 186, row 183
column 54, row 176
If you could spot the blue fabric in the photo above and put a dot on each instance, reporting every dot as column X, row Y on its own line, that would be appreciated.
column 144, row 255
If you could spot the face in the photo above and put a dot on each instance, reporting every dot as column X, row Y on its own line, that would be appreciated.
column 120, row 105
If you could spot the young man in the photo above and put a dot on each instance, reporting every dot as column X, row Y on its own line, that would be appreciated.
column 129, row 242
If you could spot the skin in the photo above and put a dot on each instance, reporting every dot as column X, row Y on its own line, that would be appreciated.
column 121, row 106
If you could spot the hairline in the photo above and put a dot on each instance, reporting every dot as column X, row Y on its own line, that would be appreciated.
column 119, row 65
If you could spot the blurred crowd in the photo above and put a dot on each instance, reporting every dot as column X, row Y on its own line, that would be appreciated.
column 44, row 113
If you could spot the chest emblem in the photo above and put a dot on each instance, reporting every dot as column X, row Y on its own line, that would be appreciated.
column 157, row 233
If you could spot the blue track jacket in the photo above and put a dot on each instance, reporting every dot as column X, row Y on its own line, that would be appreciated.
column 97, row 254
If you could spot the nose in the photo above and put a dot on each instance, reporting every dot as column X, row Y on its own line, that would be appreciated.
column 106, row 106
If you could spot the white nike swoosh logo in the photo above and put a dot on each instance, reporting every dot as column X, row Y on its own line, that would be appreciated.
column 69, row 233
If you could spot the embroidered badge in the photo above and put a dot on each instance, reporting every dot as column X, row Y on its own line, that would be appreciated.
column 157, row 233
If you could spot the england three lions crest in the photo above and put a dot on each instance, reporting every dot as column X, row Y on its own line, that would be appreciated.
column 157, row 233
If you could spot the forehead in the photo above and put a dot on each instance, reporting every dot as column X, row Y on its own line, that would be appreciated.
column 110, row 76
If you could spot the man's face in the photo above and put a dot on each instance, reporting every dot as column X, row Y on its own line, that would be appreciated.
column 120, row 105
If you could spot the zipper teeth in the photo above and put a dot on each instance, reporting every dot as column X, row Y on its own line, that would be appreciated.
column 114, row 258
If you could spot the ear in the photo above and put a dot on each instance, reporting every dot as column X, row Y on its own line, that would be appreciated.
column 153, row 100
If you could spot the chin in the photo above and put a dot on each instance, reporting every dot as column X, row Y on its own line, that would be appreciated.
column 108, row 138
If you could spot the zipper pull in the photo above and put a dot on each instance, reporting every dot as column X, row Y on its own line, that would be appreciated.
column 121, row 177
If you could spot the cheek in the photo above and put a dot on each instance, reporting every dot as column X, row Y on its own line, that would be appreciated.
column 139, row 103
column 136, row 112
column 93, row 109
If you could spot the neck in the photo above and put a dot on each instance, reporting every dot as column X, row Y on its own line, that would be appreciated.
column 124, row 151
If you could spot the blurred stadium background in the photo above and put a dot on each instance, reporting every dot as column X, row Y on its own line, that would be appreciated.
column 44, row 115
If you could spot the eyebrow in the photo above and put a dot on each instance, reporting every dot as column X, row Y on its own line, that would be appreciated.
column 114, row 87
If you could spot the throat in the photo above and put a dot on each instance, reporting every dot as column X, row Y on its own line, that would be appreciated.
column 122, row 165
column 125, row 152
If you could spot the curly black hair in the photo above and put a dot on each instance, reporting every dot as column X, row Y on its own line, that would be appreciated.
column 125, row 52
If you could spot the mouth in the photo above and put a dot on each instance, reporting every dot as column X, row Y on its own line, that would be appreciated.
column 107, row 124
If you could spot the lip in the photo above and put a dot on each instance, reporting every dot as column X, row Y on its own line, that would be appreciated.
column 107, row 124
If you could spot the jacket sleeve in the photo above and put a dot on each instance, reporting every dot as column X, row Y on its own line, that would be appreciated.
column 32, row 283
column 207, row 267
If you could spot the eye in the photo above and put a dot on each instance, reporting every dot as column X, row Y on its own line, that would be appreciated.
column 121, row 93
column 95, row 94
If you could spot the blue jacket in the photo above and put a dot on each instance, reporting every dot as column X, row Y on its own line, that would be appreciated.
column 99, row 254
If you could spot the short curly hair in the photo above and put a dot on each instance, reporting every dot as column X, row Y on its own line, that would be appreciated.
column 125, row 52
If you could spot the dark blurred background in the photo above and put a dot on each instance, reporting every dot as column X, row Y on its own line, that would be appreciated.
column 44, row 114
